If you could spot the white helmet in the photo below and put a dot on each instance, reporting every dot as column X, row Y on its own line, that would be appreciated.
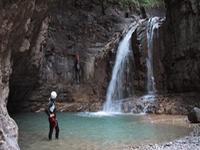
column 53, row 95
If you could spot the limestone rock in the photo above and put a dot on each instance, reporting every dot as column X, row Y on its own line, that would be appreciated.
column 44, row 54
column 182, row 45
column 194, row 115
column 15, row 19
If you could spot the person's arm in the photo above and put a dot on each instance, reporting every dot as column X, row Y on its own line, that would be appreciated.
column 47, row 110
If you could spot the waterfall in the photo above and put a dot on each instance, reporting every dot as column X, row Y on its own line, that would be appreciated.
column 152, row 29
column 153, row 25
column 115, row 88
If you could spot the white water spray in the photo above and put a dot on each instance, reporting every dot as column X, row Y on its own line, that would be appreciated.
column 115, row 88
column 153, row 24
column 152, row 35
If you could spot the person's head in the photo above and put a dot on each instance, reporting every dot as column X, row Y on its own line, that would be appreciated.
column 53, row 95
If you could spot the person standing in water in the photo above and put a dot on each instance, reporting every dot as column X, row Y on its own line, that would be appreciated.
column 51, row 112
column 77, row 68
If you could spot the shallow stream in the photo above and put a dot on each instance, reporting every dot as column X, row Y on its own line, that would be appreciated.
column 91, row 131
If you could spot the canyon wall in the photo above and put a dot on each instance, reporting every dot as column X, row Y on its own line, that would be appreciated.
column 182, row 46
column 17, row 26
column 39, row 40
column 176, row 49
column 45, row 60
column 176, row 61
column 140, row 53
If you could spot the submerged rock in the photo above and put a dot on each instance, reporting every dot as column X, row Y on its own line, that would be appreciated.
column 194, row 115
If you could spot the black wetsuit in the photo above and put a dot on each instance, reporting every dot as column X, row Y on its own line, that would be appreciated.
column 77, row 69
column 53, row 123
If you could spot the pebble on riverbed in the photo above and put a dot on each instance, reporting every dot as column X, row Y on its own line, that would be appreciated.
column 187, row 143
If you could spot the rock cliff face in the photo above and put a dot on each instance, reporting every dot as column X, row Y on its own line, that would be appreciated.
column 176, row 60
column 45, row 60
column 8, row 128
column 28, row 35
column 17, row 26
column 39, row 40
column 182, row 52
column 140, row 51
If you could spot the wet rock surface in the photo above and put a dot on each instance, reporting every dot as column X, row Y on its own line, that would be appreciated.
column 176, row 104
column 182, row 52
column 141, row 49
column 175, row 51
column 19, row 34
column 45, row 60
column 194, row 115
column 12, row 28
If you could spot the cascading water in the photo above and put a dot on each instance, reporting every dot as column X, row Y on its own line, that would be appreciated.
column 115, row 88
column 152, row 35
column 152, row 29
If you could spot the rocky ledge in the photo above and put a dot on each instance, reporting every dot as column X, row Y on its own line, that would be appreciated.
column 175, row 104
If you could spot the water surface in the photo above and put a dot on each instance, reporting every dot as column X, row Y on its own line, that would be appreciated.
column 85, row 131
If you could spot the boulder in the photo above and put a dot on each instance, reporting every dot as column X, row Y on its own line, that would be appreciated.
column 194, row 115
